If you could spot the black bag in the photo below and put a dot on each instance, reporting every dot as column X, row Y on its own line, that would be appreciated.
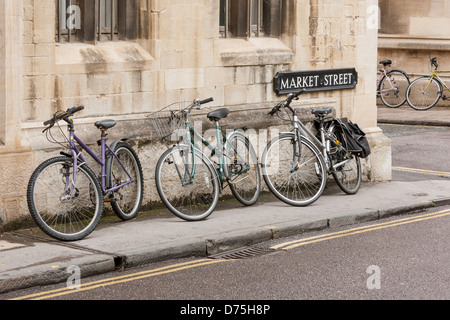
column 356, row 141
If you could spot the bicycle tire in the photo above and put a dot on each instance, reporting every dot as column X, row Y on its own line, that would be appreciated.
column 420, row 96
column 308, row 179
column 126, row 202
column 241, row 169
column 190, row 200
column 397, row 97
column 348, row 175
column 61, row 215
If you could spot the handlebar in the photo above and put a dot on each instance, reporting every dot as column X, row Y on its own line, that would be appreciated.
column 205, row 101
column 286, row 103
column 434, row 62
column 62, row 116
column 197, row 103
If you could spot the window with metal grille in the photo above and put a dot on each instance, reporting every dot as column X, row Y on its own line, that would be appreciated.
column 250, row 18
column 95, row 20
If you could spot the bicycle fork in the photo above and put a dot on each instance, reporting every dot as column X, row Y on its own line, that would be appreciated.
column 70, row 179
column 70, row 190
column 297, row 146
column 185, row 175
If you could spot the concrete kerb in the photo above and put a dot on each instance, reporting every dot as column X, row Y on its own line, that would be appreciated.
column 413, row 208
column 433, row 123
column 96, row 264
column 162, row 252
column 55, row 273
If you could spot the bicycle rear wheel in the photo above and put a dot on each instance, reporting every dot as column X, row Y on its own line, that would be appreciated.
column 424, row 93
column 242, row 170
column 61, row 209
column 297, row 182
column 393, row 88
column 188, row 185
column 127, row 200
column 346, row 167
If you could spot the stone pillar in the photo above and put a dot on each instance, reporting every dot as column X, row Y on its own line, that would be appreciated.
column 11, row 32
column 15, row 156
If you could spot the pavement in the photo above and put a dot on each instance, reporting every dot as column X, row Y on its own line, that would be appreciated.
column 436, row 116
column 28, row 258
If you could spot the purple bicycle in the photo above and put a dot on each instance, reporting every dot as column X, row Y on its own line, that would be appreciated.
column 65, row 197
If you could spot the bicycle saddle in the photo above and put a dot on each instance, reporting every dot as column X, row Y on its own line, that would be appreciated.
column 105, row 124
column 322, row 111
column 386, row 62
column 216, row 115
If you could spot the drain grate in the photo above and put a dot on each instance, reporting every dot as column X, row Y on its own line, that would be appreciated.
column 242, row 253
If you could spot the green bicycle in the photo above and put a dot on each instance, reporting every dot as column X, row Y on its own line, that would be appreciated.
column 188, row 181
column 425, row 92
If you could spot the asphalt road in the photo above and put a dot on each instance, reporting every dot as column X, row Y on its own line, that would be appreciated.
column 416, row 147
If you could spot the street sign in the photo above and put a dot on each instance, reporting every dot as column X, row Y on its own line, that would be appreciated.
column 315, row 80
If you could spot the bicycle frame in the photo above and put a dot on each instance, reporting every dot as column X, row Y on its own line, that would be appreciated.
column 324, row 144
column 102, row 161
column 383, row 73
column 221, row 141
column 191, row 134
column 435, row 75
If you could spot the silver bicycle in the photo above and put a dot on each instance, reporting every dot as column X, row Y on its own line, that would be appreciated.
column 295, row 164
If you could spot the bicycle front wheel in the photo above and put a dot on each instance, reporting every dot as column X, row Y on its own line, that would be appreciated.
column 242, row 169
column 424, row 93
column 297, row 181
column 393, row 88
column 346, row 167
column 127, row 200
column 64, row 209
column 188, row 185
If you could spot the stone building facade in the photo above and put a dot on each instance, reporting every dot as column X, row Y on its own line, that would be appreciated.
column 412, row 32
column 126, row 59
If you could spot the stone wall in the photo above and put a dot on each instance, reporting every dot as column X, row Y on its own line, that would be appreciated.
column 412, row 32
column 179, row 55
column 429, row 18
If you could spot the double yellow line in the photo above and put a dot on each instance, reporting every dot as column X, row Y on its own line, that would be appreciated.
column 422, row 171
column 302, row 242
column 121, row 279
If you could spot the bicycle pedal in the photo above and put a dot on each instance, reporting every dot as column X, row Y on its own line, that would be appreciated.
column 109, row 198
column 444, row 97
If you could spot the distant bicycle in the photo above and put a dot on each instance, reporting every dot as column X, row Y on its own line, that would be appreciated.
column 65, row 197
column 392, row 85
column 425, row 92
column 294, row 168
column 189, row 181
